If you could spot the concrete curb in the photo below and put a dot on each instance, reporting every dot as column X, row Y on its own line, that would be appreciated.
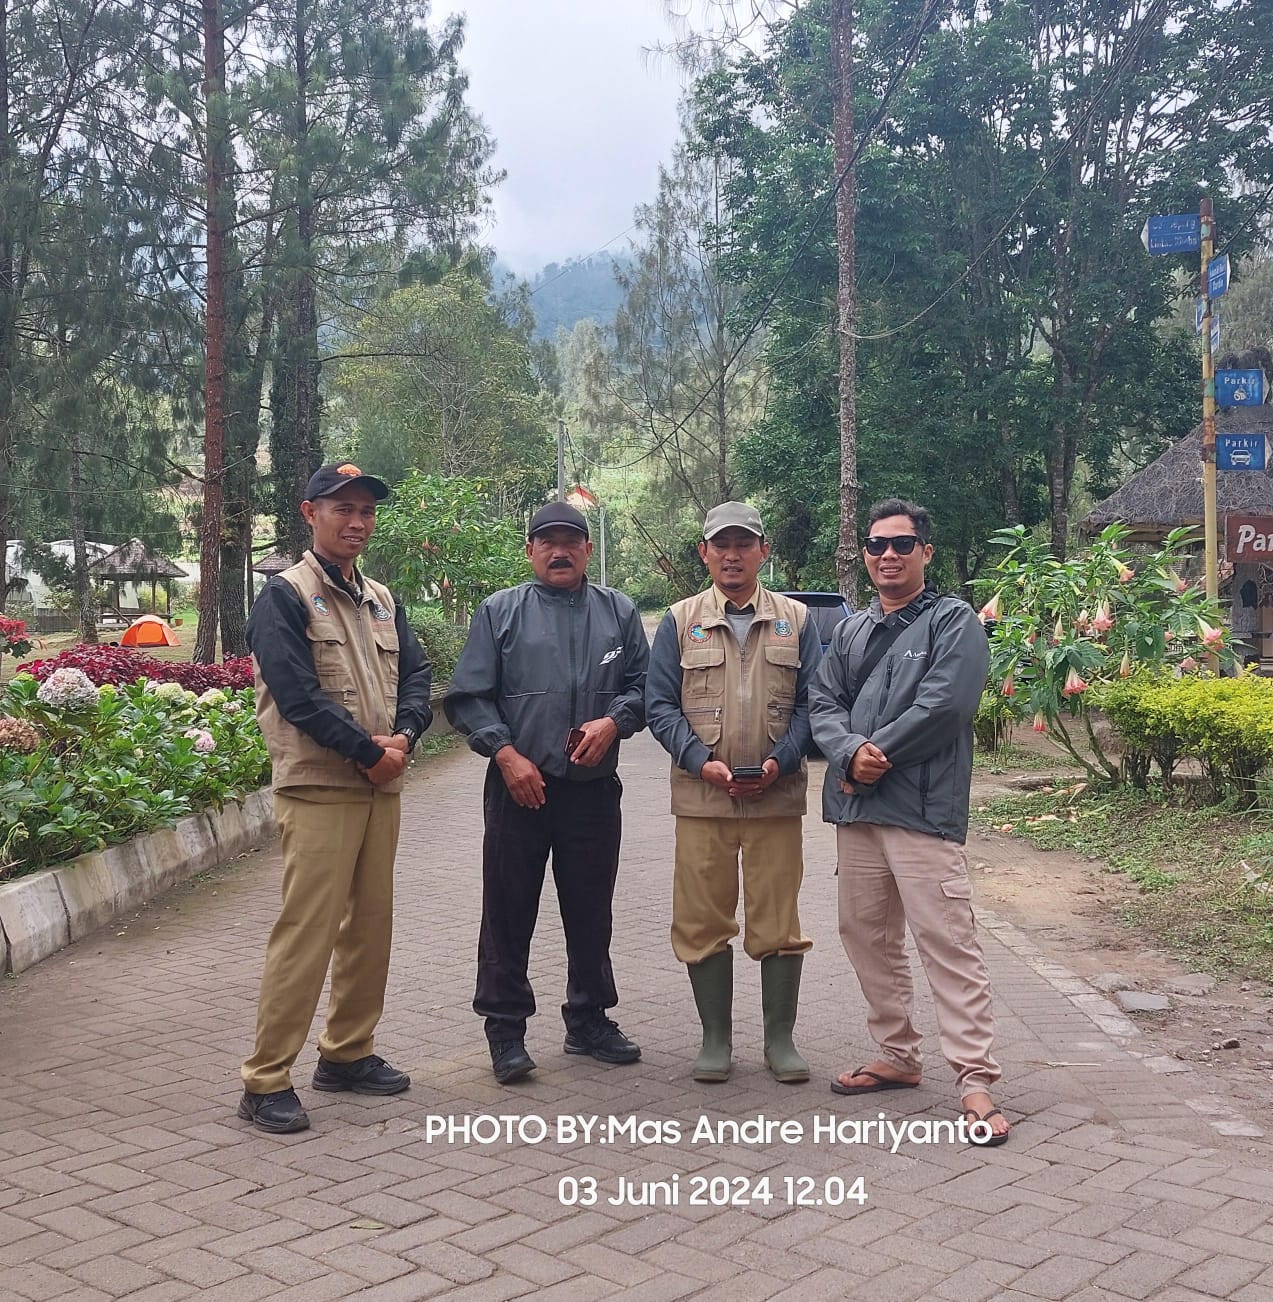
column 44, row 912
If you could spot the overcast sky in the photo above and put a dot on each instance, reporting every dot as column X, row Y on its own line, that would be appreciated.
column 582, row 117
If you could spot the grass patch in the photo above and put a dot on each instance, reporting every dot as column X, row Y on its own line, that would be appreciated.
column 1017, row 759
column 1199, row 871
column 437, row 744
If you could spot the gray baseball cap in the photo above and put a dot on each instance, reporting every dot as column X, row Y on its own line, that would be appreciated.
column 733, row 515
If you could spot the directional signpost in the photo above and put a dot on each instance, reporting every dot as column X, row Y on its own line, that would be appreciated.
column 1178, row 233
column 1241, row 452
column 1240, row 388
column 1196, row 233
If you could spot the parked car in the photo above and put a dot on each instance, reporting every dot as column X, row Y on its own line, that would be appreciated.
column 826, row 609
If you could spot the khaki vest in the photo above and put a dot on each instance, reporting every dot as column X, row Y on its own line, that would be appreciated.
column 739, row 701
column 355, row 650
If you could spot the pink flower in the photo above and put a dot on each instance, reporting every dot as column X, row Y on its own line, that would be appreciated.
column 1009, row 688
column 1058, row 633
column 1040, row 722
column 1032, row 637
column 1102, row 621
column 1212, row 637
column 1126, row 575
column 1188, row 664
column 990, row 610
column 1081, row 624
column 204, row 742
column 1073, row 684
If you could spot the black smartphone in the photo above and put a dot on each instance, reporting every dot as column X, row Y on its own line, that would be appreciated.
column 748, row 773
column 573, row 739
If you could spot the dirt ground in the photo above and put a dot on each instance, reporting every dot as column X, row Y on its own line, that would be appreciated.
column 1069, row 905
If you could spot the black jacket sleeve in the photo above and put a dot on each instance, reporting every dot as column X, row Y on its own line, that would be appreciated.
column 628, row 707
column 415, row 678
column 276, row 637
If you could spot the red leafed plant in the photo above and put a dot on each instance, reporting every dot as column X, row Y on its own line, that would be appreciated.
column 13, row 637
column 120, row 665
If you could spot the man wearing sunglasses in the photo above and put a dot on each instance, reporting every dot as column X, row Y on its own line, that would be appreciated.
column 891, row 706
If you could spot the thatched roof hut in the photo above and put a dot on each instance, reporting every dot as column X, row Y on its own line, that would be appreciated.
column 274, row 563
column 1168, row 492
column 132, row 561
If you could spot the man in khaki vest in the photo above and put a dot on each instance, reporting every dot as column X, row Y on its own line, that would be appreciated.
column 727, row 698
column 342, row 694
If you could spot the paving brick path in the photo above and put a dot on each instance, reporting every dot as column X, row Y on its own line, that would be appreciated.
column 124, row 1172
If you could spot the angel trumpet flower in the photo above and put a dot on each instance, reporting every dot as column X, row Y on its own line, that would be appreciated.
column 990, row 610
column 1102, row 621
column 1125, row 665
column 1212, row 637
column 1040, row 722
column 1073, row 684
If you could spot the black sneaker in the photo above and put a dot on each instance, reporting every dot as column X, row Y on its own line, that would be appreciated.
column 369, row 1075
column 603, row 1041
column 280, row 1112
column 510, row 1061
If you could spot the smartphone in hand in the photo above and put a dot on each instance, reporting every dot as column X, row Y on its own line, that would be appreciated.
column 748, row 773
column 574, row 738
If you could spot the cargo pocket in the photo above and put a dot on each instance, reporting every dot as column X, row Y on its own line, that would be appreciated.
column 331, row 661
column 703, row 677
column 957, row 906
column 387, row 651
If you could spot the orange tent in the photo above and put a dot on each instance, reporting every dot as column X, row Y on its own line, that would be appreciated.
column 149, row 630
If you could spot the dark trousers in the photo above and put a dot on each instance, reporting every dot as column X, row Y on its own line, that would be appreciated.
column 580, row 825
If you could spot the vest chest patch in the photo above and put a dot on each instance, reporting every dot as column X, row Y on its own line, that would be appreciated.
column 320, row 603
column 380, row 613
column 700, row 634
column 782, row 628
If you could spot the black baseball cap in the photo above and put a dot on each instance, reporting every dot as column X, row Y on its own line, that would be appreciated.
column 327, row 480
column 557, row 515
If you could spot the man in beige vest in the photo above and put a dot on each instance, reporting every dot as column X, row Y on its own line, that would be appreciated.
column 342, row 694
column 727, row 698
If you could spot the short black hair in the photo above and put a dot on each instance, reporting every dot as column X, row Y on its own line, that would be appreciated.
column 917, row 514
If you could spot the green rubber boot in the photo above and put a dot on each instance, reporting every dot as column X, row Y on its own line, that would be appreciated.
column 779, row 995
column 713, row 982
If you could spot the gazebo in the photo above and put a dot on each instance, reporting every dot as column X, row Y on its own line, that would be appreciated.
column 1167, row 493
column 134, row 561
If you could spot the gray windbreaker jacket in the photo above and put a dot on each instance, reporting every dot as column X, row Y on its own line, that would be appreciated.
column 540, row 661
column 917, row 706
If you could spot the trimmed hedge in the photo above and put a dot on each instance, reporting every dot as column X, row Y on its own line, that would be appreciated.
column 1224, row 723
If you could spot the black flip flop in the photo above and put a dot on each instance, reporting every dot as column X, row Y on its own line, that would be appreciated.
column 881, row 1083
column 994, row 1140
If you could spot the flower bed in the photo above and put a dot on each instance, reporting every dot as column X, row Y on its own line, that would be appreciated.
column 121, row 665
column 83, row 765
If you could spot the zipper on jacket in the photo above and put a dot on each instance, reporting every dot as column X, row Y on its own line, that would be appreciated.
column 574, row 682
column 923, row 790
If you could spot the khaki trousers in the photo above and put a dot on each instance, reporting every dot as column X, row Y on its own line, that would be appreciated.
column 890, row 877
column 338, row 851
column 705, row 886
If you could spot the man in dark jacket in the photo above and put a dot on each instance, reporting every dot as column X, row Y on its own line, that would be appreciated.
column 891, row 707
column 552, row 676
column 342, row 694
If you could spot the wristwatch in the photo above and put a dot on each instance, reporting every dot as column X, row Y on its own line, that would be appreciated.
column 410, row 734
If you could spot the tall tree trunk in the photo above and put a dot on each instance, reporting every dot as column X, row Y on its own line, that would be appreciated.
column 217, row 153
column 846, row 554
column 295, row 445
column 8, row 305
column 85, row 604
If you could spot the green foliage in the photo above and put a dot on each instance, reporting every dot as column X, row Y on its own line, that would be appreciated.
column 442, row 640
column 438, row 538
column 1059, row 628
column 135, row 760
column 992, row 723
column 1224, row 723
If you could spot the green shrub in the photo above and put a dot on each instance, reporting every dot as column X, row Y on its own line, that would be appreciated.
column 993, row 721
column 90, row 766
column 1224, row 723
column 442, row 640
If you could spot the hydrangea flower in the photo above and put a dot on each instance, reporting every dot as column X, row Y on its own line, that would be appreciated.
column 234, row 707
column 203, row 740
column 213, row 696
column 167, row 691
column 68, row 689
column 18, row 735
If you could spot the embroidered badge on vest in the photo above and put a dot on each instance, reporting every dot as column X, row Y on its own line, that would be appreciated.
column 782, row 628
column 380, row 612
column 699, row 633
column 320, row 604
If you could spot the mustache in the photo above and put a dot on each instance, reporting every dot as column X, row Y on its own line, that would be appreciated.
column 561, row 563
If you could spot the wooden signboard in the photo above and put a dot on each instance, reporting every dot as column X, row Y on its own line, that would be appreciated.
column 1248, row 539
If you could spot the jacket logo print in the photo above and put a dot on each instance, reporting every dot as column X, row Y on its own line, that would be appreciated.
column 611, row 655
column 782, row 628
column 320, row 604
column 699, row 633
column 380, row 612
column 908, row 654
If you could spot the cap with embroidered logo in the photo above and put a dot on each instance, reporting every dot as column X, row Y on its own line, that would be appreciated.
column 733, row 515
column 327, row 480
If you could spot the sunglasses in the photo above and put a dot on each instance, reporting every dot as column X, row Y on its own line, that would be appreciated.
column 903, row 545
